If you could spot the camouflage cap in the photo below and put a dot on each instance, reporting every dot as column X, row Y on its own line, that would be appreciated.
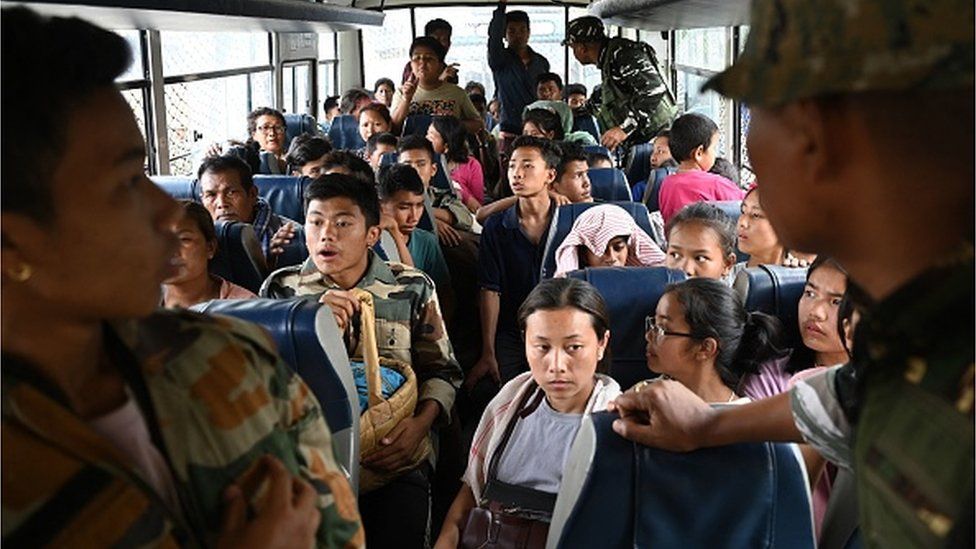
column 584, row 29
column 798, row 49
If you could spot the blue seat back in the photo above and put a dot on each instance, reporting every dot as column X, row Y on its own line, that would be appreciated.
column 416, row 124
column 564, row 218
column 310, row 343
column 239, row 257
column 609, row 184
column 655, row 178
column 732, row 209
column 587, row 123
column 774, row 290
column 180, row 187
column 388, row 159
column 297, row 124
column 344, row 133
column 639, row 162
column 616, row 494
column 631, row 294
column 295, row 252
column 598, row 149
column 285, row 194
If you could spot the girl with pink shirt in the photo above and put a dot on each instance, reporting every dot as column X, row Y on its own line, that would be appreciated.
column 449, row 138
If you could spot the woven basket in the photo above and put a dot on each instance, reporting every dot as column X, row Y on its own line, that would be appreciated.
column 383, row 414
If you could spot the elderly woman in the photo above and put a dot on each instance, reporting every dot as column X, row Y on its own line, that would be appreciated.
column 606, row 236
column 193, row 282
column 266, row 128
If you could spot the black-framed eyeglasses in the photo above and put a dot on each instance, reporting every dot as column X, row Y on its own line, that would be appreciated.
column 271, row 129
column 651, row 327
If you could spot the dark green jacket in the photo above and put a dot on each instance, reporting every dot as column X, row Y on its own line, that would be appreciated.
column 633, row 91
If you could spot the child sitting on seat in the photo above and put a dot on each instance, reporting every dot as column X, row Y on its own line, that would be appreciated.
column 378, row 145
column 449, row 138
column 701, row 242
column 306, row 155
column 606, row 236
column 694, row 145
column 525, row 434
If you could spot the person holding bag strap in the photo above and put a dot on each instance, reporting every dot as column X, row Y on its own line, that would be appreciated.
column 517, row 456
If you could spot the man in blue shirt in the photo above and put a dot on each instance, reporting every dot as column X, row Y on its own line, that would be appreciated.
column 515, row 68
column 510, row 258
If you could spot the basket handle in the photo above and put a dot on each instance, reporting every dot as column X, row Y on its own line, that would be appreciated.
column 371, row 355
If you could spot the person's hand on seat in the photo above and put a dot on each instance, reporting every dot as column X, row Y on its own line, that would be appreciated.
column 559, row 199
column 343, row 304
column 662, row 414
column 282, row 237
column 613, row 137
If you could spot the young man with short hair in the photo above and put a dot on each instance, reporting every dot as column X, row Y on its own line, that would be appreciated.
column 514, row 68
column 694, row 145
column 378, row 145
column 426, row 93
column 576, row 98
column 510, row 258
column 832, row 107
column 228, row 192
column 349, row 163
column 439, row 30
column 450, row 214
column 549, row 87
column 401, row 193
column 341, row 226
column 572, row 178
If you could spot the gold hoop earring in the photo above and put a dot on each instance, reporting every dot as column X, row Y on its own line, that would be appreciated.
column 21, row 273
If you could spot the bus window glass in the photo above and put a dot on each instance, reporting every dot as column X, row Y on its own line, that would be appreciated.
column 386, row 49
column 327, row 66
column 295, row 88
column 702, row 48
column 196, row 52
column 134, row 72
column 202, row 112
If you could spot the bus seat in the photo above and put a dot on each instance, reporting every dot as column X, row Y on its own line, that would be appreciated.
column 344, row 133
column 609, row 184
column 652, row 193
column 295, row 251
column 180, row 187
column 774, row 290
column 389, row 246
column 309, row 341
column 285, row 194
column 564, row 218
column 639, row 162
column 631, row 294
column 618, row 494
column 731, row 208
column 297, row 124
column 416, row 124
column 239, row 258
column 587, row 123
column 598, row 149
column 388, row 159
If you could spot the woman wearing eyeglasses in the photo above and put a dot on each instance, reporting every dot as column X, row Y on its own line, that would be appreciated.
column 266, row 128
column 701, row 335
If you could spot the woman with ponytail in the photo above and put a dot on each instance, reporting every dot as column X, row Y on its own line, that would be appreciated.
column 701, row 335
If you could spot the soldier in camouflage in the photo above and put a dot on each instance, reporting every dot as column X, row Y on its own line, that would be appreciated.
column 635, row 102
column 341, row 227
column 122, row 427
column 835, row 89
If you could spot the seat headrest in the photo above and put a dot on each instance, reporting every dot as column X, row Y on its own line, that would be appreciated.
column 297, row 124
column 308, row 340
column 239, row 258
column 609, row 184
column 388, row 159
column 565, row 216
column 732, row 209
column 416, row 124
column 617, row 494
column 639, row 162
column 586, row 123
column 344, row 133
column 598, row 149
column 774, row 290
column 285, row 194
column 631, row 294
column 180, row 187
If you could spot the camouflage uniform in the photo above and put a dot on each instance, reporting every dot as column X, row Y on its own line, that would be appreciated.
column 216, row 397
column 904, row 419
column 634, row 96
column 409, row 326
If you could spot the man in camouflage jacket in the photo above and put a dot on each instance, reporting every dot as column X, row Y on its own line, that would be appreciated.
column 635, row 101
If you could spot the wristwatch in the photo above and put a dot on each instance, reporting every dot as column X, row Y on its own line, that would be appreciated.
column 629, row 125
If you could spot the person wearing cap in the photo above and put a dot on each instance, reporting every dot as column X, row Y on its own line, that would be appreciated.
column 635, row 102
column 835, row 88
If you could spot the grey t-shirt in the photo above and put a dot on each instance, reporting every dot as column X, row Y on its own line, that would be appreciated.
column 537, row 451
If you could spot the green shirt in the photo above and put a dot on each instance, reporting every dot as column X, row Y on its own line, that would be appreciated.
column 427, row 256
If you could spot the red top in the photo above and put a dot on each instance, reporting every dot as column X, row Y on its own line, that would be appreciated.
column 683, row 188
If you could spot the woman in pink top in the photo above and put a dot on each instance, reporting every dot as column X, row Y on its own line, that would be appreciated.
column 449, row 138
column 694, row 145
column 823, row 320
column 193, row 282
